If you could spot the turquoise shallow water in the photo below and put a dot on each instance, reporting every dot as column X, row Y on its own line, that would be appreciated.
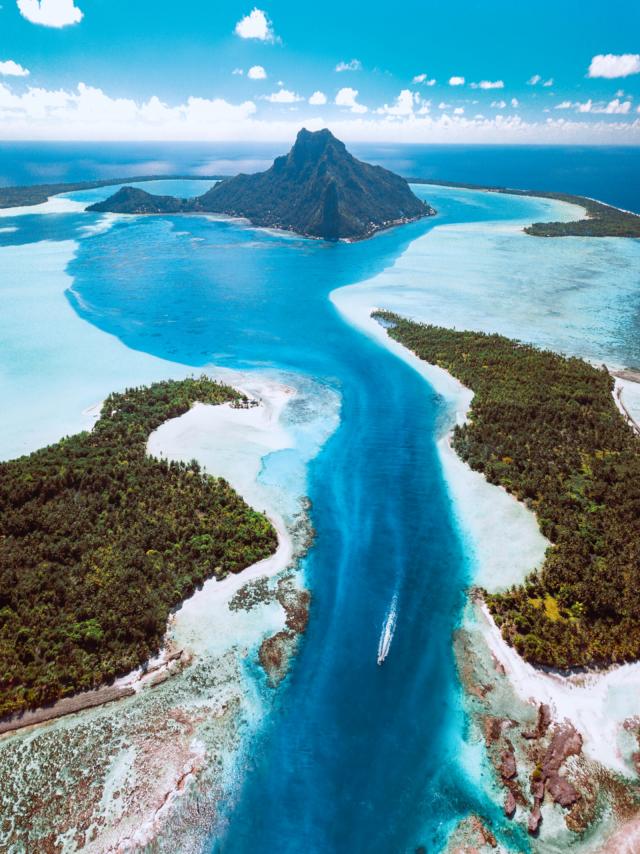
column 354, row 757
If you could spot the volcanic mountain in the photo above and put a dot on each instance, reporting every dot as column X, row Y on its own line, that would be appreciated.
column 318, row 189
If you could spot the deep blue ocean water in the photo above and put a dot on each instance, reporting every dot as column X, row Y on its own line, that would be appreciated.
column 355, row 757
column 609, row 173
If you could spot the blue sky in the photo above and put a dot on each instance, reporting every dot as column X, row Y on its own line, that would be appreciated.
column 492, row 71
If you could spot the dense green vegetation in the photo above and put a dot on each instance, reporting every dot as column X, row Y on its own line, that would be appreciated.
column 13, row 197
column 318, row 189
column 98, row 542
column 547, row 429
column 602, row 220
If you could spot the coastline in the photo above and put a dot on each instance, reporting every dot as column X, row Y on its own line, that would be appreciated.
column 185, row 735
column 600, row 709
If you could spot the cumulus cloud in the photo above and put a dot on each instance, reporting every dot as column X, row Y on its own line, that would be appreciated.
column 50, row 13
column 444, row 106
column 424, row 79
column 255, row 25
column 488, row 84
column 616, row 107
column 403, row 105
column 283, row 96
column 515, row 103
column 533, row 81
column 499, row 105
column 611, row 65
column 456, row 81
column 354, row 65
column 347, row 97
column 238, row 71
column 548, row 82
column 87, row 112
column 9, row 68
column 459, row 111
column 613, row 107
column 257, row 72
column 318, row 98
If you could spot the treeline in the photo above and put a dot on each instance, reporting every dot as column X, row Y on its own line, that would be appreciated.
column 602, row 220
column 546, row 428
column 99, row 542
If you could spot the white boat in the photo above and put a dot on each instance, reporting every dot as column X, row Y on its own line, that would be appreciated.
column 388, row 630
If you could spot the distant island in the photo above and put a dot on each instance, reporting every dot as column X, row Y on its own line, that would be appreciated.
column 546, row 428
column 99, row 542
column 318, row 190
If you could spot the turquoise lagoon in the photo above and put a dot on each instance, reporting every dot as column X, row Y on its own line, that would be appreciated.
column 351, row 756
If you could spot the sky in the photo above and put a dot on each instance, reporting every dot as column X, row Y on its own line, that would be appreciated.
column 500, row 71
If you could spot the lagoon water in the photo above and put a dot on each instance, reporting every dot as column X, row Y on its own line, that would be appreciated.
column 353, row 757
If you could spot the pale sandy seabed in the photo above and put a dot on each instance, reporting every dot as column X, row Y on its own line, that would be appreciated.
column 151, row 766
column 504, row 544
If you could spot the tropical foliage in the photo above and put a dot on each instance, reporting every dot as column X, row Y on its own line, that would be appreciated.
column 99, row 542
column 546, row 428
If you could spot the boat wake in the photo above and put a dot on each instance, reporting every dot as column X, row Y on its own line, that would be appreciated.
column 388, row 630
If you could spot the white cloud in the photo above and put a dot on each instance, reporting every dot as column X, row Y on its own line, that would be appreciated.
column 318, row 98
column 548, row 82
column 50, row 13
column 611, row 65
column 456, row 81
column 459, row 111
column 283, row 96
column 488, row 84
column 255, row 25
column 533, row 81
column 403, row 105
column 419, row 78
column 238, row 71
column 9, row 68
column 444, row 106
column 88, row 113
column 515, row 103
column 257, row 72
column 616, row 107
column 499, row 105
column 354, row 65
column 347, row 97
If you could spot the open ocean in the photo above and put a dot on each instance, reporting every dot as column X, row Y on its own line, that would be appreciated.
column 611, row 174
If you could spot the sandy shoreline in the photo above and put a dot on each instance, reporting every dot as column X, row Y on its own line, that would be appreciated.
column 174, row 746
column 599, row 706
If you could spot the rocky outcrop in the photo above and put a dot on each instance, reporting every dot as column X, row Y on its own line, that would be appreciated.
column 276, row 651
